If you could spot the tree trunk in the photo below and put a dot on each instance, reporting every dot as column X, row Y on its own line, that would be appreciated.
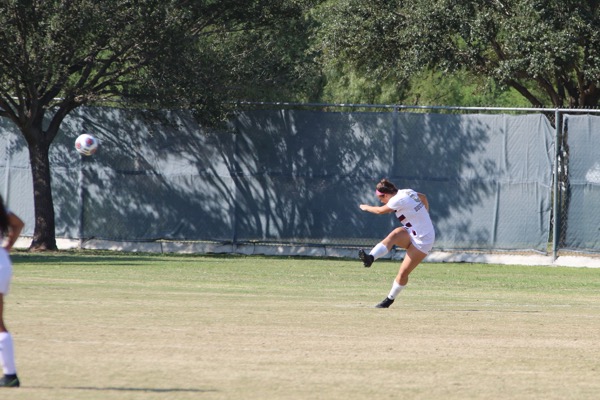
column 44, row 235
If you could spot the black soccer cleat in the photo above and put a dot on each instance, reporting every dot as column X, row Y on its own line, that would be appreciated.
column 9, row 381
column 367, row 259
column 386, row 303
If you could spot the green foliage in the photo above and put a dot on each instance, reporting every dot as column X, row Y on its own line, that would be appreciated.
column 460, row 88
column 153, row 53
column 344, row 84
column 251, row 50
column 546, row 50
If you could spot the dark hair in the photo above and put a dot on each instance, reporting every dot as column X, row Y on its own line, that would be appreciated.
column 385, row 186
column 3, row 218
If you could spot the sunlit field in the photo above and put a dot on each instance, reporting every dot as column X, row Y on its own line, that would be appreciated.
column 103, row 325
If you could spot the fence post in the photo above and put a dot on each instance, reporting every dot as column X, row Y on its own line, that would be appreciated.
column 81, row 198
column 555, row 199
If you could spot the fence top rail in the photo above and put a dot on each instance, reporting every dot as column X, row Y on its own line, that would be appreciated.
column 415, row 107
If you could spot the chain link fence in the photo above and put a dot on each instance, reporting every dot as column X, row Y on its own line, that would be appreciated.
column 294, row 174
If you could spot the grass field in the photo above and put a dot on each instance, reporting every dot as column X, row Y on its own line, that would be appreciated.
column 135, row 326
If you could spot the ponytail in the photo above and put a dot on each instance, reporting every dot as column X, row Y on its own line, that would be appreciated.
column 385, row 186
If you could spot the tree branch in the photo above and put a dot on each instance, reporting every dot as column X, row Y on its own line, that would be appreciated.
column 524, row 92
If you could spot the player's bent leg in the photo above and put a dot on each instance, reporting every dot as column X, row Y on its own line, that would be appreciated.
column 398, row 237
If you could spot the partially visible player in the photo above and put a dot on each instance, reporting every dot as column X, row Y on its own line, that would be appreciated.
column 10, row 229
column 416, row 235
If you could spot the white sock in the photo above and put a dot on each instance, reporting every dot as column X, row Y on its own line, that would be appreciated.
column 396, row 289
column 379, row 251
column 7, row 353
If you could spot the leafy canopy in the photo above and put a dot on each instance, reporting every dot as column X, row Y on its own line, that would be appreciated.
column 547, row 50
column 66, row 53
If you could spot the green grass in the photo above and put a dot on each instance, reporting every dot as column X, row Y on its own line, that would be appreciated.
column 104, row 325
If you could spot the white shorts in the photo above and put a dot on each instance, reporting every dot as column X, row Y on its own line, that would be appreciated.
column 5, row 271
column 422, row 247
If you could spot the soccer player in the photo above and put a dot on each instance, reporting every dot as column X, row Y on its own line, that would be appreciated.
column 10, row 229
column 416, row 235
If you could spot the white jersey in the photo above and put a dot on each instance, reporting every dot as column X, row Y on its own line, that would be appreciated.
column 411, row 212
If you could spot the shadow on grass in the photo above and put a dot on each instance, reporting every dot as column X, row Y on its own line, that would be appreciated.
column 104, row 256
column 108, row 256
column 483, row 311
column 133, row 389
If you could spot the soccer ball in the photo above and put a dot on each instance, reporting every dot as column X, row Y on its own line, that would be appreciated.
column 86, row 144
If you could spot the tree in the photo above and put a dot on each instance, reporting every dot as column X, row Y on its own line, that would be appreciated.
column 546, row 50
column 57, row 55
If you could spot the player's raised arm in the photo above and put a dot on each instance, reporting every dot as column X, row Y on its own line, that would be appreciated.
column 376, row 209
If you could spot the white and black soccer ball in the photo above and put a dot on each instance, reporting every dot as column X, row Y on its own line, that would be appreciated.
column 86, row 144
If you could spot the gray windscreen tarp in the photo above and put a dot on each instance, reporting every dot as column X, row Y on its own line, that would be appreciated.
column 582, row 225
column 488, row 177
column 294, row 176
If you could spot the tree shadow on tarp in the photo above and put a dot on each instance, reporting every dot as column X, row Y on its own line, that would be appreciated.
column 302, row 174
column 155, row 175
column 487, row 177
column 280, row 175
column 444, row 157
